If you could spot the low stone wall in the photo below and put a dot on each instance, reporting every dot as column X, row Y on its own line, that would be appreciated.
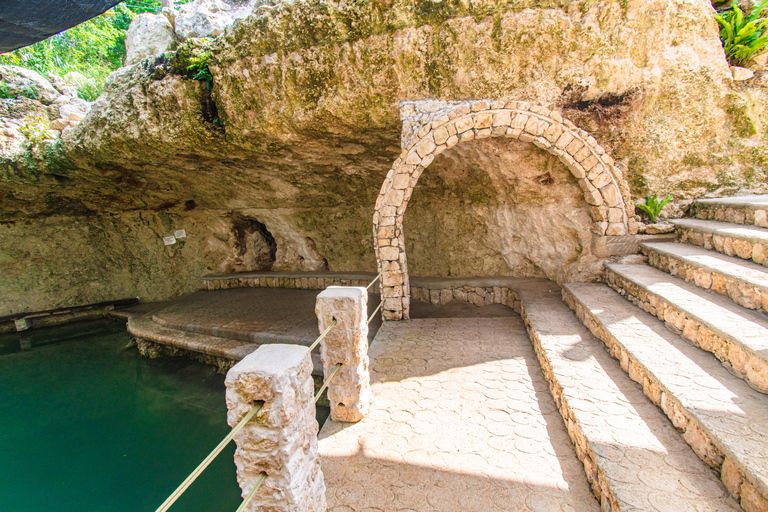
column 477, row 295
column 309, row 281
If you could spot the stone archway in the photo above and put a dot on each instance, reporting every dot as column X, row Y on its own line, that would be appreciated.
column 455, row 122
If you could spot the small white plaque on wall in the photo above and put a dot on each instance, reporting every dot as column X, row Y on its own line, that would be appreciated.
column 180, row 233
column 169, row 240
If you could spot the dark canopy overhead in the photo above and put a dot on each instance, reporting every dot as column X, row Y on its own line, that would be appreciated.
column 25, row 22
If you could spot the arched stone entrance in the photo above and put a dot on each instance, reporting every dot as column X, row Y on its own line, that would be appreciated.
column 456, row 122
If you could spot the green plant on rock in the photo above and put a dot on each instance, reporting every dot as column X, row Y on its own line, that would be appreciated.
column 28, row 91
column 36, row 131
column 743, row 37
column 653, row 206
column 199, row 67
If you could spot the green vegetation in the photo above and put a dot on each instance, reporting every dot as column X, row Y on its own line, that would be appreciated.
column 653, row 206
column 94, row 48
column 27, row 91
column 36, row 131
column 743, row 37
column 199, row 61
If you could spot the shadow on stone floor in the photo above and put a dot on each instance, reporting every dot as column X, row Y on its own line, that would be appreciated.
column 446, row 486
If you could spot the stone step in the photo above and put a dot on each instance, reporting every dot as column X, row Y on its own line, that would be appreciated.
column 633, row 456
column 723, row 419
column 223, row 352
column 746, row 242
column 746, row 283
column 738, row 210
column 736, row 336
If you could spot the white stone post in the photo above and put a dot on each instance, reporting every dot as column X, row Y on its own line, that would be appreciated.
column 349, row 392
column 281, row 440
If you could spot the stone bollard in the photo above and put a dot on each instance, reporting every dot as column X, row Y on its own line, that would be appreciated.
column 349, row 393
column 281, row 440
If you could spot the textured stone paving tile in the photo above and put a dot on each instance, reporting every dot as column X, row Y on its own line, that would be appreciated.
column 245, row 313
column 732, row 416
column 741, row 326
column 462, row 421
column 634, row 456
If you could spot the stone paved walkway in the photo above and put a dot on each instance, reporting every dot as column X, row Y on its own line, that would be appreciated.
column 462, row 420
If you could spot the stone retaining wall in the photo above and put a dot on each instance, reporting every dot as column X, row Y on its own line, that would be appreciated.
column 477, row 295
column 303, row 283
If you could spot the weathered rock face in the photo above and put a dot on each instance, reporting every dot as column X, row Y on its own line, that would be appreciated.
column 204, row 18
column 19, row 81
column 148, row 34
column 308, row 93
column 499, row 207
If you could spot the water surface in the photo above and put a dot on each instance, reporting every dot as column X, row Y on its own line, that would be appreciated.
column 88, row 425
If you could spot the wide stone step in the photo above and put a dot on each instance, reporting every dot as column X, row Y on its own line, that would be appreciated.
column 746, row 242
column 738, row 210
column 724, row 421
column 738, row 337
column 746, row 283
column 633, row 456
column 227, row 351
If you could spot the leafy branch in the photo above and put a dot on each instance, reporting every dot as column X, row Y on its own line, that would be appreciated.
column 743, row 37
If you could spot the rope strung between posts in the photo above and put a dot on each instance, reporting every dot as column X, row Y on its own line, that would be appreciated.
column 313, row 345
column 207, row 461
column 374, row 313
column 262, row 477
column 328, row 380
column 374, row 280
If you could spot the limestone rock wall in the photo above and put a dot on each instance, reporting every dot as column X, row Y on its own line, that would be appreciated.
column 71, row 260
column 302, row 124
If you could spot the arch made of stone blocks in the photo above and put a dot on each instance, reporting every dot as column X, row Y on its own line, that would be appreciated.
column 604, row 189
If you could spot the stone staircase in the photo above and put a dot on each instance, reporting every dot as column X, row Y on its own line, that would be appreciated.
column 694, row 334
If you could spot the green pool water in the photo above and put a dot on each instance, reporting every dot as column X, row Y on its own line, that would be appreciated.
column 88, row 425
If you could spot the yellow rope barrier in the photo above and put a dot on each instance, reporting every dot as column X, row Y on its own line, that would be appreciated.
column 374, row 280
column 199, row 469
column 313, row 345
column 262, row 477
column 325, row 384
column 374, row 312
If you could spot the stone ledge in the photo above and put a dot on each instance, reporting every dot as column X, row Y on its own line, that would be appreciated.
column 678, row 378
column 222, row 352
column 746, row 283
column 630, row 451
column 736, row 336
column 746, row 242
column 748, row 210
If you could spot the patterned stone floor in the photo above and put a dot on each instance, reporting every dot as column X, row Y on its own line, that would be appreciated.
column 462, row 420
